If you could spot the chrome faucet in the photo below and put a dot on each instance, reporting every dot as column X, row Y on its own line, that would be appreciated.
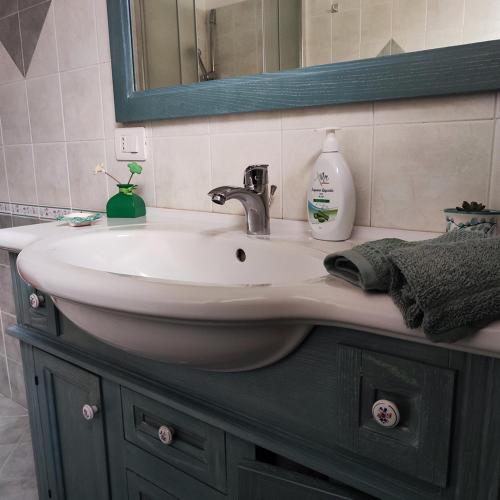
column 255, row 196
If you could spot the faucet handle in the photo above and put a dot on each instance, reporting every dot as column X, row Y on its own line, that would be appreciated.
column 255, row 177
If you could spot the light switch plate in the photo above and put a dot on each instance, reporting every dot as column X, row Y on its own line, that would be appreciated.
column 130, row 144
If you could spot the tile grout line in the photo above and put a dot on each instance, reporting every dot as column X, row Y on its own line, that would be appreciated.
column 4, row 160
column 101, row 100
column 15, row 446
column 211, row 163
column 21, row 42
column 68, row 179
column 31, row 145
column 492, row 157
column 372, row 171
column 5, row 353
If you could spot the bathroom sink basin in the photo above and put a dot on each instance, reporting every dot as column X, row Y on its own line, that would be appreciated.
column 211, row 299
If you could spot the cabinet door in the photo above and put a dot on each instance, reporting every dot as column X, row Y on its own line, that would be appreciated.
column 74, row 446
column 141, row 489
column 258, row 481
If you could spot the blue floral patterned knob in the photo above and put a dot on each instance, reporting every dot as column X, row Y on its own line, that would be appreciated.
column 385, row 413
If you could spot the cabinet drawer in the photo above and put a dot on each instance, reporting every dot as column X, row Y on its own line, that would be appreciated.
column 423, row 394
column 195, row 447
column 35, row 309
column 257, row 481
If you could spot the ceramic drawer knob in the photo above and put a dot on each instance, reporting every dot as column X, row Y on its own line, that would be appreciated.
column 166, row 434
column 89, row 411
column 36, row 300
column 385, row 413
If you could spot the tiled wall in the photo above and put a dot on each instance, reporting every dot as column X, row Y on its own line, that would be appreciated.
column 410, row 158
column 356, row 29
column 11, row 371
column 238, row 39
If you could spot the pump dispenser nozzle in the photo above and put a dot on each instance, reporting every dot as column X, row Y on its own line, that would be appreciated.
column 330, row 144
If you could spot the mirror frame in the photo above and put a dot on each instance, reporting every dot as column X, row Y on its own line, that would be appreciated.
column 451, row 70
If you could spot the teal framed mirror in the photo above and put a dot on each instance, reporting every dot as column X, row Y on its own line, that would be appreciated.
column 472, row 67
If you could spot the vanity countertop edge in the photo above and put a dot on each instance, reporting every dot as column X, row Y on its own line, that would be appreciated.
column 333, row 301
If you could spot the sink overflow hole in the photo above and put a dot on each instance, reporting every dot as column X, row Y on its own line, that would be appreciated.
column 241, row 255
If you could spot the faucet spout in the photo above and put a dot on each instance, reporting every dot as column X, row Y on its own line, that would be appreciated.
column 254, row 197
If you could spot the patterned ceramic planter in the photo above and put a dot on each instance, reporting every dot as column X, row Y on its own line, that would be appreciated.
column 485, row 221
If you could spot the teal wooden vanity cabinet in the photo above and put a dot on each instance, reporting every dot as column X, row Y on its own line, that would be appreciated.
column 107, row 424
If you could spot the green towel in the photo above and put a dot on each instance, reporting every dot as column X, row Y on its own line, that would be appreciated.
column 451, row 289
column 368, row 266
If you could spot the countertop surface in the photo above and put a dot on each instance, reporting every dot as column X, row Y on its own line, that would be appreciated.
column 332, row 301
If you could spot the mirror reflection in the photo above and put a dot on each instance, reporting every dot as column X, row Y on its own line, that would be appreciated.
column 186, row 41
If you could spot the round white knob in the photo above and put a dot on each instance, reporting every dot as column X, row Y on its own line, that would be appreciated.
column 385, row 413
column 89, row 411
column 166, row 434
column 36, row 300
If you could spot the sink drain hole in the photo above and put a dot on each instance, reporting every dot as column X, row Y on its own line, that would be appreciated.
column 241, row 255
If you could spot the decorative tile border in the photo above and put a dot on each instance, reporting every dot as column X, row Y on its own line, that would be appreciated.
column 32, row 210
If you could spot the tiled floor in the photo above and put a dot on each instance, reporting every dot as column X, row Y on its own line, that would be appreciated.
column 17, row 470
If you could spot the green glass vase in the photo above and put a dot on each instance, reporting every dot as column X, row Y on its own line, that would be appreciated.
column 125, row 204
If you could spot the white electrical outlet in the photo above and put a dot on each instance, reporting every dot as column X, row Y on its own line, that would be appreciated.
column 130, row 144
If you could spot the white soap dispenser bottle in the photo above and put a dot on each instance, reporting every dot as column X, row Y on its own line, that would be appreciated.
column 331, row 200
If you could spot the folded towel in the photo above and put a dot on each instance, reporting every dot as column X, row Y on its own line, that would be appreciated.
column 368, row 266
column 451, row 289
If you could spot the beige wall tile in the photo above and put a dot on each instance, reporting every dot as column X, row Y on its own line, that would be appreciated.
column 183, row 126
column 76, row 33
column 44, row 60
column 346, row 35
column 376, row 28
column 481, row 20
column 4, row 258
column 20, row 174
column 182, row 172
column 318, row 41
column 421, row 169
column 345, row 5
column 10, row 72
column 12, row 347
column 45, row 108
column 4, row 192
column 245, row 122
column 408, row 24
column 17, row 385
column 317, row 7
column 6, row 292
column 14, row 113
column 344, row 115
column 145, row 181
column 108, row 100
column 82, row 108
column 444, row 23
column 101, row 14
column 301, row 148
column 4, row 377
column 51, row 170
column 231, row 154
column 88, row 191
column 435, row 109
column 494, row 198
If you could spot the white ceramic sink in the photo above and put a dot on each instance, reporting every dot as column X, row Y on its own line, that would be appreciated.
column 212, row 299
